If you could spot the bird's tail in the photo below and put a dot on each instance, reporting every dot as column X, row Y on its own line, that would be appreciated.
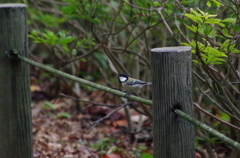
column 148, row 83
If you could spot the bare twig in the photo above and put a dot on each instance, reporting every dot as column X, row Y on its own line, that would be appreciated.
column 222, row 121
column 95, row 123
column 120, row 50
column 226, row 110
column 87, row 101
column 84, row 55
column 129, row 131
column 159, row 11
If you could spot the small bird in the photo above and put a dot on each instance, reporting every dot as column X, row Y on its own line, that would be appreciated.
column 130, row 84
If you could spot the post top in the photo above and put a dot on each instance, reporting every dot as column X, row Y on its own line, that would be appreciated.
column 171, row 49
column 13, row 5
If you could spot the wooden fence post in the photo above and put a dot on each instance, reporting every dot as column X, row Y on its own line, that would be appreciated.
column 15, row 109
column 172, row 87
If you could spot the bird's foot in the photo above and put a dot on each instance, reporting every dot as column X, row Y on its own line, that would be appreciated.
column 128, row 94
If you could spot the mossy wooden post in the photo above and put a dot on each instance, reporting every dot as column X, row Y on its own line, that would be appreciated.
column 172, row 88
column 15, row 109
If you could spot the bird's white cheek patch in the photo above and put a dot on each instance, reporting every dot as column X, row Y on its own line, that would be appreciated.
column 122, row 79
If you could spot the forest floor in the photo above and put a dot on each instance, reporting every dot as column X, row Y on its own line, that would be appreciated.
column 64, row 128
column 94, row 125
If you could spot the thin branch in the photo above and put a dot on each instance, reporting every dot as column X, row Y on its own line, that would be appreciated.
column 219, row 106
column 136, row 109
column 95, row 123
column 87, row 101
column 207, row 128
column 84, row 55
column 223, row 78
column 130, row 51
column 128, row 132
column 201, row 152
column 180, row 31
column 100, row 104
column 216, row 77
column 222, row 121
column 158, row 10
column 112, row 24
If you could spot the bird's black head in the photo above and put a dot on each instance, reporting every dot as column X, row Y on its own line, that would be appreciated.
column 123, row 77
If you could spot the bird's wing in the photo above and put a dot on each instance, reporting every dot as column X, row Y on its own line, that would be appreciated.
column 136, row 82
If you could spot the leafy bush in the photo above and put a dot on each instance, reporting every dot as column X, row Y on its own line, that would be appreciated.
column 105, row 38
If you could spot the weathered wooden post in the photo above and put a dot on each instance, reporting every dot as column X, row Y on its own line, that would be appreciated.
column 172, row 88
column 15, row 109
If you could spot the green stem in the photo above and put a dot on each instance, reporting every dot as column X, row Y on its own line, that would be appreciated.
column 85, row 82
column 207, row 128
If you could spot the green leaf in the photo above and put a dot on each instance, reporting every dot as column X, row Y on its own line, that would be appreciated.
column 191, row 28
column 225, row 117
column 197, row 62
column 235, row 51
column 156, row 4
column 64, row 114
column 49, row 104
column 146, row 155
column 65, row 40
column 65, row 47
column 48, row 20
column 213, row 21
column 221, row 24
column 217, row 63
column 203, row 13
column 193, row 44
column 209, row 16
column 218, row 4
column 190, row 16
column 231, row 47
column 211, row 55
column 213, row 140
column 74, row 52
column 194, row 12
column 35, row 32
column 68, row 9
column 209, row 4
column 225, row 32
column 231, row 20
column 83, row 60
column 212, row 34
column 194, row 18
column 62, row 34
column 142, row 4
column 225, row 45
column 186, row 44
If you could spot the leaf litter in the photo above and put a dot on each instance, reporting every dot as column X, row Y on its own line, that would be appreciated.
column 63, row 131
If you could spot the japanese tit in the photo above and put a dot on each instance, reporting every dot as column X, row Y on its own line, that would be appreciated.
column 130, row 84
